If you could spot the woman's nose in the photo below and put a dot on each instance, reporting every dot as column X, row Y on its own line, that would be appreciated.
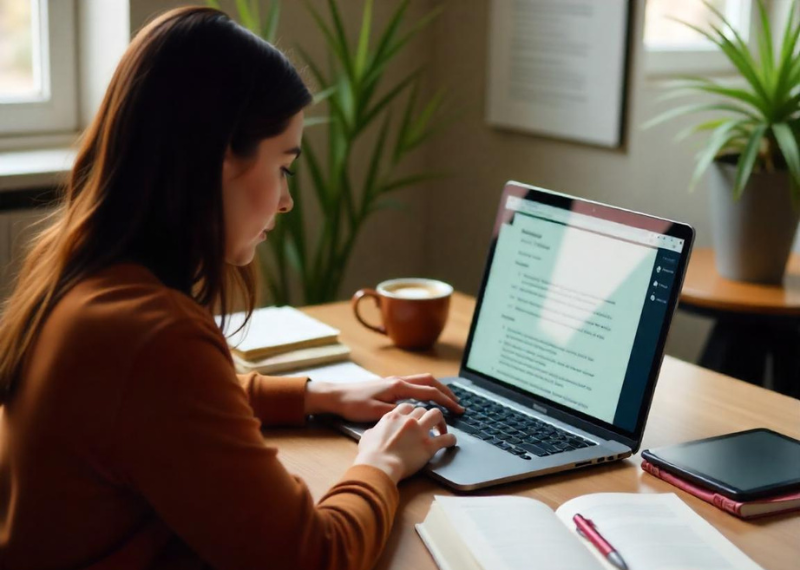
column 286, row 204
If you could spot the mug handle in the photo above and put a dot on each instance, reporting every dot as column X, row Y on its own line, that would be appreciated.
column 359, row 295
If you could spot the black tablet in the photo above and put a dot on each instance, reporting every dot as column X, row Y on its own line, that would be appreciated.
column 744, row 466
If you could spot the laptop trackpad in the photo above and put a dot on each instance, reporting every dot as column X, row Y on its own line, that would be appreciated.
column 474, row 462
column 470, row 461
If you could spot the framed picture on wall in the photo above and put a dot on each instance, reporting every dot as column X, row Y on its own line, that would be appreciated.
column 559, row 68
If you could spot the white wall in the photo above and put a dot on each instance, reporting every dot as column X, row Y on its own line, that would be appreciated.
column 103, row 29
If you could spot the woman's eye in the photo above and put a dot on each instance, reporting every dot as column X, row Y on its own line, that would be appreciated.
column 287, row 172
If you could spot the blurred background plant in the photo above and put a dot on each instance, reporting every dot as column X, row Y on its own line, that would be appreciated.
column 761, row 124
column 353, row 86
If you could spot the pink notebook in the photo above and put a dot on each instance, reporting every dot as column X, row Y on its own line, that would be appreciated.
column 747, row 510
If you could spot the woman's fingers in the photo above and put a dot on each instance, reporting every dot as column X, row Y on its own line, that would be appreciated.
column 405, row 408
column 433, row 418
column 444, row 440
column 380, row 409
column 427, row 393
column 429, row 380
column 418, row 413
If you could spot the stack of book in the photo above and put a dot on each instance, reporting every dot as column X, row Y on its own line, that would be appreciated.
column 281, row 339
column 744, row 510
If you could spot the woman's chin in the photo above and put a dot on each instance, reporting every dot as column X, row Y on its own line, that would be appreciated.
column 242, row 258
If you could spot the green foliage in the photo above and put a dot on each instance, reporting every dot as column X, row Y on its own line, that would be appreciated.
column 761, row 121
column 249, row 12
column 353, row 86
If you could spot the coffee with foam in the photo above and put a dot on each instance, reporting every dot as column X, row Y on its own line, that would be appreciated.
column 413, row 310
column 414, row 291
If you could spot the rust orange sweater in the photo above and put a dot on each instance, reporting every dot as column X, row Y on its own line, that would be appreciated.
column 130, row 443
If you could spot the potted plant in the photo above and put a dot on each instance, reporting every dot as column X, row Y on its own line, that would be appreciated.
column 753, row 147
column 353, row 85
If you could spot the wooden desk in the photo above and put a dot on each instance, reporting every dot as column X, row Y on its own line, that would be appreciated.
column 690, row 403
column 754, row 323
column 704, row 288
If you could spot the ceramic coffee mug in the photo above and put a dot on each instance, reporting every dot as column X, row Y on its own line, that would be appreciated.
column 413, row 310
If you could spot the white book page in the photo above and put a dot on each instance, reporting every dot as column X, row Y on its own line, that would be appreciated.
column 655, row 532
column 340, row 372
column 274, row 326
column 515, row 533
column 443, row 542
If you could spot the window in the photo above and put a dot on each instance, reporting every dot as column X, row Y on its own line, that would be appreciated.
column 672, row 48
column 38, row 83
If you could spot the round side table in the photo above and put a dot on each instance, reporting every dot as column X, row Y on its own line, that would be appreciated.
column 756, row 325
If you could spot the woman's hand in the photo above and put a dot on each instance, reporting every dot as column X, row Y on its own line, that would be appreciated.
column 369, row 401
column 402, row 442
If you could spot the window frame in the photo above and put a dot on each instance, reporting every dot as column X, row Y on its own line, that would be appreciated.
column 57, row 111
column 671, row 62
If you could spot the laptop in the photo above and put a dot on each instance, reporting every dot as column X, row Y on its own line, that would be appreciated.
column 566, row 341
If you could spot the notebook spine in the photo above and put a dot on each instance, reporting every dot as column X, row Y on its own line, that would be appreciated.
column 722, row 503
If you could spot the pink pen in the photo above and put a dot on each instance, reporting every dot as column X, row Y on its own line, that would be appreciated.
column 587, row 529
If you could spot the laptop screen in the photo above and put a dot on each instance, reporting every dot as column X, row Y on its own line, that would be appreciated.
column 574, row 303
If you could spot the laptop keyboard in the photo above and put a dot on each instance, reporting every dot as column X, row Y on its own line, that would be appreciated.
column 507, row 429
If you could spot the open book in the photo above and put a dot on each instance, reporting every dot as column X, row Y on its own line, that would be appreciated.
column 650, row 532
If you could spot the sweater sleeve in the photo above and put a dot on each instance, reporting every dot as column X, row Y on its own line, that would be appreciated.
column 188, row 443
column 277, row 400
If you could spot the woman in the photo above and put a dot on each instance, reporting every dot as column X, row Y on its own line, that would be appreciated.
column 127, row 440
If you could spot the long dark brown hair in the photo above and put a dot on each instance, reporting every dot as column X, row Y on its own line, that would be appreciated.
column 147, row 183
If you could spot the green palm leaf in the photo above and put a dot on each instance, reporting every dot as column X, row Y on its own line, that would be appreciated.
column 386, row 39
column 765, row 50
column 363, row 41
column 748, row 160
column 317, row 179
column 333, row 42
column 738, row 55
column 787, row 142
column 392, row 50
column 341, row 36
column 760, row 121
column 702, row 127
column 787, row 56
column 270, row 28
column 692, row 109
column 387, row 99
column 246, row 15
column 375, row 163
column 718, row 141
